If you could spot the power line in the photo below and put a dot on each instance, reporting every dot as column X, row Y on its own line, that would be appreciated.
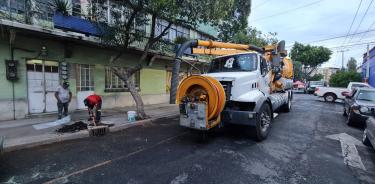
column 364, row 34
column 332, row 38
column 364, row 43
column 363, row 17
column 289, row 11
column 351, row 25
column 261, row 4
column 341, row 36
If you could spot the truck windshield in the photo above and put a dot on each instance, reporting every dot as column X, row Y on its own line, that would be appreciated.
column 234, row 63
column 366, row 95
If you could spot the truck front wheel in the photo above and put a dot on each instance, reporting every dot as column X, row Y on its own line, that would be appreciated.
column 263, row 124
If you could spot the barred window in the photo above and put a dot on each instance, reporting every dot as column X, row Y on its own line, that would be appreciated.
column 114, row 84
column 86, row 77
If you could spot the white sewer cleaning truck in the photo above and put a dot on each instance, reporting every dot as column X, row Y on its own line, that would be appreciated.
column 244, row 85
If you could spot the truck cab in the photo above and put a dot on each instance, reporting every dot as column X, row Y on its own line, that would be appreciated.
column 245, row 78
column 244, row 85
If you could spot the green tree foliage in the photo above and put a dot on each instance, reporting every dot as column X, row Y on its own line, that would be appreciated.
column 316, row 77
column 61, row 6
column 352, row 64
column 342, row 78
column 135, row 14
column 255, row 37
column 127, row 21
column 235, row 22
column 297, row 71
column 310, row 56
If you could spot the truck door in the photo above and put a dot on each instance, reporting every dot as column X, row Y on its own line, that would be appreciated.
column 265, row 78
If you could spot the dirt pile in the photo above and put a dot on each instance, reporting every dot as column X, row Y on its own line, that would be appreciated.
column 75, row 127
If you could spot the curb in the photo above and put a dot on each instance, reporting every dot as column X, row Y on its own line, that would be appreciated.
column 34, row 141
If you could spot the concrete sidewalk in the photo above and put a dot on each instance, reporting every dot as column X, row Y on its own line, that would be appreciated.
column 20, row 134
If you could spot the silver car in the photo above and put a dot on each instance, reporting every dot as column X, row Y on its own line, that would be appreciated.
column 368, row 138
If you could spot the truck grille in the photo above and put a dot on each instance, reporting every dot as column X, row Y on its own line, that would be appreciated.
column 227, row 85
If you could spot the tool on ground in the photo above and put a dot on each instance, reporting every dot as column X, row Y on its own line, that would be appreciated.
column 98, row 129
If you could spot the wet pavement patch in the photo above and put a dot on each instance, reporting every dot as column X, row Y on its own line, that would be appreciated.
column 75, row 127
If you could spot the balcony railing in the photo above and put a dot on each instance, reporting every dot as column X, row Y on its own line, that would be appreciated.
column 35, row 12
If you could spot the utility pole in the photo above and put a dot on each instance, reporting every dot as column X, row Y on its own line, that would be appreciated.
column 342, row 58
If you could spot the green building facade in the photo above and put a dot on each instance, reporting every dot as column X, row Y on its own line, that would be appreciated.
column 42, row 52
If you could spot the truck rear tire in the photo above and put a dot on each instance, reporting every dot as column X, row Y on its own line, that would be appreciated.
column 263, row 122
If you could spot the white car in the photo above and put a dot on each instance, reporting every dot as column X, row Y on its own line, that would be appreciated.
column 331, row 94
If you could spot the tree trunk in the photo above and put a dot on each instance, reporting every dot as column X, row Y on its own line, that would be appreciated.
column 141, row 114
column 125, row 75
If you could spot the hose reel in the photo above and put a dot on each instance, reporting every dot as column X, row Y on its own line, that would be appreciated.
column 202, row 90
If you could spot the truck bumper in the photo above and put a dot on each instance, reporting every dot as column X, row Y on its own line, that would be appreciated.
column 239, row 117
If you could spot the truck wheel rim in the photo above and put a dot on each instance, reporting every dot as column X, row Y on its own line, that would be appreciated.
column 265, row 121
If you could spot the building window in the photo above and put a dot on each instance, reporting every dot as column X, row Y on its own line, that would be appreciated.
column 183, row 32
column 85, row 80
column 43, row 10
column 173, row 32
column 115, row 84
column 99, row 11
column 76, row 10
column 16, row 6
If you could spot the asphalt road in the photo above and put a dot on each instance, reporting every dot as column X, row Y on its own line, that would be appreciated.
column 296, row 151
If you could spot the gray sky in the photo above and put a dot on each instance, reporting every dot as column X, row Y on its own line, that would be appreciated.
column 312, row 20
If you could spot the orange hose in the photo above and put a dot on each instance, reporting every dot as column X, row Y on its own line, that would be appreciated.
column 197, row 85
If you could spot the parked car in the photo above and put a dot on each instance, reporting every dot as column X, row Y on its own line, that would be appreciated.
column 331, row 94
column 311, row 85
column 299, row 86
column 359, row 105
column 368, row 137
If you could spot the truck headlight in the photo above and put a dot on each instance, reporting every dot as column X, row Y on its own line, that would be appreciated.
column 363, row 109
